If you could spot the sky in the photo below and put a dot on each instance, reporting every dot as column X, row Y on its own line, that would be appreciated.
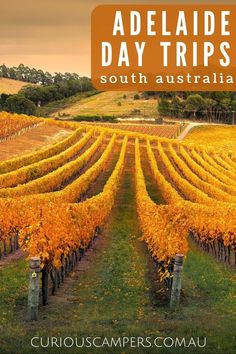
column 52, row 35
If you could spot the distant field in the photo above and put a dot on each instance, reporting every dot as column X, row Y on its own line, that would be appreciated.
column 217, row 136
column 111, row 103
column 11, row 86
column 167, row 131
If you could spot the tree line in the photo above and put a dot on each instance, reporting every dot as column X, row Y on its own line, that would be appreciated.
column 34, row 76
column 210, row 106
column 47, row 88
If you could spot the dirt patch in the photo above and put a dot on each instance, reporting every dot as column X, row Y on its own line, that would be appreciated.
column 33, row 139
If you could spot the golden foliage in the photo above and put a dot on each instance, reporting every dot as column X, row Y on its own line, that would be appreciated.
column 13, row 123
column 197, row 184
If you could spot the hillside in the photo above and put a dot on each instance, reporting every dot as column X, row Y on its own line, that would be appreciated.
column 34, row 139
column 10, row 86
column 221, row 137
column 111, row 103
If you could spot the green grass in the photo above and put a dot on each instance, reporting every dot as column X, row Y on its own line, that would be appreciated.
column 95, row 118
column 115, row 295
column 209, row 305
column 152, row 189
column 13, row 297
column 13, row 288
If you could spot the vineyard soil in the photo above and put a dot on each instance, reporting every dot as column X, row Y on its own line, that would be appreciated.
column 31, row 140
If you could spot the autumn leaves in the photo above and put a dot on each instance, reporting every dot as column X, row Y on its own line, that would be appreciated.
column 197, row 185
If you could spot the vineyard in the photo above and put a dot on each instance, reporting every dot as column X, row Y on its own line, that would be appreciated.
column 217, row 137
column 11, row 125
column 55, row 201
column 167, row 131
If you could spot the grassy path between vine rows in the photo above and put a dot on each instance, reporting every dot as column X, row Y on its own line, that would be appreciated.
column 112, row 294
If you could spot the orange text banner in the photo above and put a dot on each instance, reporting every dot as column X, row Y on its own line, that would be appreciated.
column 164, row 47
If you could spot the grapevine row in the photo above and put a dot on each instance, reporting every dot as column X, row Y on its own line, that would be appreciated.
column 13, row 123
column 77, row 188
column 53, row 180
column 167, row 131
column 199, row 158
column 203, row 173
column 38, row 169
column 32, row 157
column 228, row 159
column 57, row 229
column 163, row 241
column 169, row 193
column 207, row 188
column 15, row 208
column 215, row 164
column 213, row 224
column 190, row 192
column 223, row 162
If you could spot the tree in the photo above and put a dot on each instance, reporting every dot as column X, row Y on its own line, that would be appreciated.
column 3, row 98
column 58, row 78
column 177, row 106
column 33, row 93
column 164, row 107
column 19, row 104
column 233, row 105
column 4, row 70
column 85, row 84
column 195, row 103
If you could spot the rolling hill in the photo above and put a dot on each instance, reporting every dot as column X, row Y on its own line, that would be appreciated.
column 216, row 136
column 10, row 86
column 117, row 103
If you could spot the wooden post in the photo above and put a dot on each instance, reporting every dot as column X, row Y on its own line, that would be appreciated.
column 33, row 292
column 176, row 284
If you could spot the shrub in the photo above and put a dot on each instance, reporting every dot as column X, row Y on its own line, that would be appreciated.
column 19, row 104
column 135, row 111
column 95, row 118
